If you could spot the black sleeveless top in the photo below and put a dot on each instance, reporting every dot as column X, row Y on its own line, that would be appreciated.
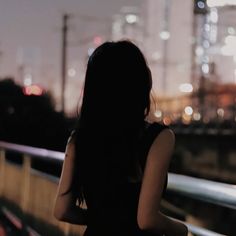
column 114, row 212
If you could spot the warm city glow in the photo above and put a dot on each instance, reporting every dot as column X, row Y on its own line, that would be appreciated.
column 220, row 3
column 186, row 119
column 220, row 112
column 97, row 40
column 196, row 116
column 188, row 110
column 158, row 114
column 33, row 90
column 186, row 88
column 167, row 120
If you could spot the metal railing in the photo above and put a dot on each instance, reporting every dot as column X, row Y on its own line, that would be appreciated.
column 195, row 188
column 204, row 190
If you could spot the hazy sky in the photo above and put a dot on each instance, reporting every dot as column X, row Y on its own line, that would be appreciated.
column 30, row 33
column 30, row 29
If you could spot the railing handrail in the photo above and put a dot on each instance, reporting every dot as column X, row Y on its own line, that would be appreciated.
column 33, row 151
column 201, row 189
column 196, row 230
column 205, row 190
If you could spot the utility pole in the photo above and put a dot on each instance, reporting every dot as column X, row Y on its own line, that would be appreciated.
column 64, row 60
column 1, row 54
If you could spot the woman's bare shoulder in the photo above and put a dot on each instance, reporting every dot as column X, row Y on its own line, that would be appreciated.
column 162, row 146
column 162, row 133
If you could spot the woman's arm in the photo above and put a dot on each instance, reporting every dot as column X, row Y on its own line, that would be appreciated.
column 65, row 208
column 149, row 216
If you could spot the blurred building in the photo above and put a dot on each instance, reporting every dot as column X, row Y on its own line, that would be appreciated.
column 168, row 43
column 203, row 50
column 164, row 34
column 185, row 42
column 214, row 54
column 129, row 24
column 215, row 103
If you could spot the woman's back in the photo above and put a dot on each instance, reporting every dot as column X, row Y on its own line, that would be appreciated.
column 112, row 205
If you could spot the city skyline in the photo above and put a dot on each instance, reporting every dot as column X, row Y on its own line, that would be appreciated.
column 30, row 41
column 32, row 30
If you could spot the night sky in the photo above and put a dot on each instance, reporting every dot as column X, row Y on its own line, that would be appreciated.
column 30, row 29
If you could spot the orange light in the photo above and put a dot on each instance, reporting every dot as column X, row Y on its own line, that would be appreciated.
column 167, row 120
column 33, row 90
column 97, row 40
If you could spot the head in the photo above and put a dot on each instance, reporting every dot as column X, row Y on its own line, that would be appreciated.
column 117, row 85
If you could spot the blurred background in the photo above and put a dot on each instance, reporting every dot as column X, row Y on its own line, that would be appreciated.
column 190, row 47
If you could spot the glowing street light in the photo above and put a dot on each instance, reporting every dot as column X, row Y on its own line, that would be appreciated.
column 158, row 114
column 205, row 68
column 165, row 35
column 197, row 116
column 220, row 112
column 188, row 110
column 27, row 79
column 131, row 18
column 186, row 88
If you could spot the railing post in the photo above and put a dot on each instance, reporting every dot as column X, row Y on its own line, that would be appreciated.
column 2, row 171
column 66, row 229
column 26, row 182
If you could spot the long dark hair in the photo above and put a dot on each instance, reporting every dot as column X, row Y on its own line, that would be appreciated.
column 115, row 102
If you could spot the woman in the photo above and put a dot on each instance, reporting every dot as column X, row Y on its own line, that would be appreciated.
column 115, row 161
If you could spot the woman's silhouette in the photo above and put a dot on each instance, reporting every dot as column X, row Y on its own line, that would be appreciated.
column 115, row 161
